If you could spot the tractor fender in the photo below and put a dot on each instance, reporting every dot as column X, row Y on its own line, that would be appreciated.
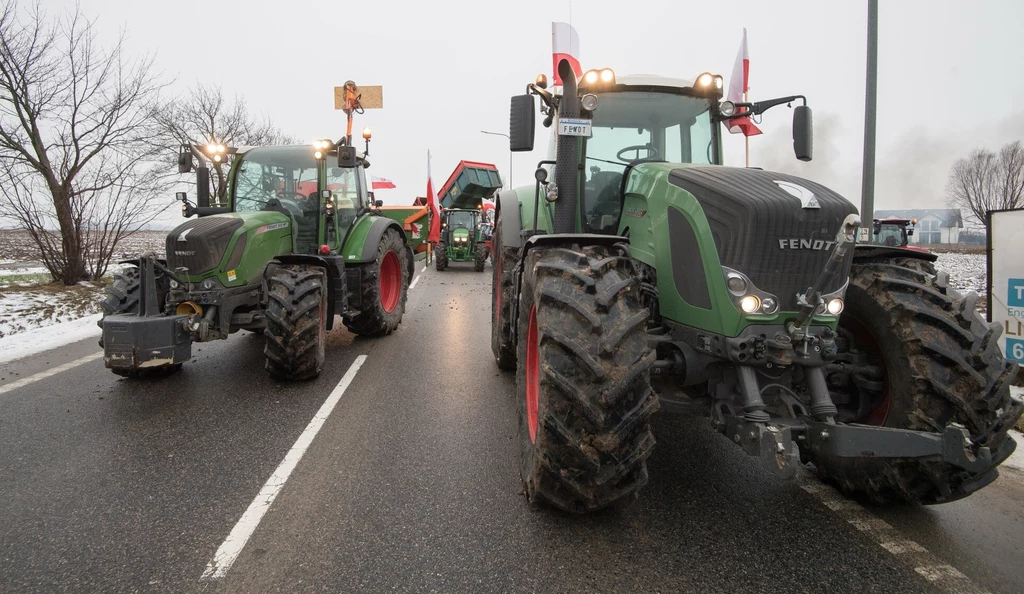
column 871, row 252
column 361, row 245
column 511, row 225
column 337, row 287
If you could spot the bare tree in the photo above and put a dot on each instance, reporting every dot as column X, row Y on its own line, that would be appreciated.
column 74, row 139
column 204, row 115
column 985, row 181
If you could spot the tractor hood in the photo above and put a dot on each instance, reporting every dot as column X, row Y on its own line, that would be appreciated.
column 777, row 229
column 219, row 242
column 460, row 232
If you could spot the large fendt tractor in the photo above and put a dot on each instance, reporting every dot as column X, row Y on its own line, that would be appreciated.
column 639, row 273
column 297, row 243
column 464, row 236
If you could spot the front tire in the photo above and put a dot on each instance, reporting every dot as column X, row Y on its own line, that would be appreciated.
column 941, row 365
column 385, row 288
column 481, row 257
column 502, row 293
column 296, row 323
column 583, row 386
column 441, row 256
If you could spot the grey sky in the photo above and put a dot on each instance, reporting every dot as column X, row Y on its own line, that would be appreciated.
column 946, row 84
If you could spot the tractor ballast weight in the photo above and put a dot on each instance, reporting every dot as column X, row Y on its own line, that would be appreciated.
column 729, row 292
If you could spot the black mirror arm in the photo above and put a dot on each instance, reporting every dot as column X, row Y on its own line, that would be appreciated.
column 544, row 94
column 759, row 107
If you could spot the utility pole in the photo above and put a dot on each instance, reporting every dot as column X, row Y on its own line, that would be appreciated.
column 867, row 187
column 509, row 155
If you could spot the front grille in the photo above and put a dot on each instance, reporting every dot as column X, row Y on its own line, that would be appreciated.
column 199, row 245
column 753, row 221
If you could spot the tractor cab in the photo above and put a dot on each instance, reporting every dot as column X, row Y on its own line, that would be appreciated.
column 892, row 232
column 621, row 122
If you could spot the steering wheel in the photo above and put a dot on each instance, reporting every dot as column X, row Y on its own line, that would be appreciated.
column 652, row 153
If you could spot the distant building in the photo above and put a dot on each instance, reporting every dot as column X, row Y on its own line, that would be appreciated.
column 934, row 225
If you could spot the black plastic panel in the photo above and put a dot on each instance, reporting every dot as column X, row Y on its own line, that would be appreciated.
column 236, row 253
column 199, row 244
column 764, row 231
column 687, row 264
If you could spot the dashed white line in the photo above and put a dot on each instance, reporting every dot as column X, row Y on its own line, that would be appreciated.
column 228, row 552
column 45, row 374
column 942, row 575
column 415, row 280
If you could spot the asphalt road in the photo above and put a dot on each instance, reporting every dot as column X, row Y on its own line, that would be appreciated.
column 411, row 484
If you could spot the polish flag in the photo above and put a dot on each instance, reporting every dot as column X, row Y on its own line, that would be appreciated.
column 738, row 85
column 565, row 45
column 382, row 183
column 435, row 208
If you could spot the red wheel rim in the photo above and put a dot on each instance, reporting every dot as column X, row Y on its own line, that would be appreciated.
column 532, row 375
column 390, row 281
column 880, row 414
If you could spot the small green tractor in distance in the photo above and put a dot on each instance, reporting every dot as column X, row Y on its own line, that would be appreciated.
column 464, row 234
column 462, row 239
column 299, row 242
column 647, row 276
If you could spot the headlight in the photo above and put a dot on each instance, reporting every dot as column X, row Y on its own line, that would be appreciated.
column 727, row 108
column 174, row 284
column 769, row 305
column 750, row 304
column 705, row 79
column 737, row 284
column 552, row 193
column 589, row 102
column 746, row 296
column 208, row 284
column 835, row 307
column 590, row 77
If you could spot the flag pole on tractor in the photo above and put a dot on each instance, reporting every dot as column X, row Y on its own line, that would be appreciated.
column 738, row 86
column 565, row 45
column 435, row 211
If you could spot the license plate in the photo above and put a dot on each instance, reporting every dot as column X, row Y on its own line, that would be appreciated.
column 574, row 127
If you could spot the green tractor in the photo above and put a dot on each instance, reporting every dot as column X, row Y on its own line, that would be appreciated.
column 462, row 239
column 645, row 276
column 298, row 242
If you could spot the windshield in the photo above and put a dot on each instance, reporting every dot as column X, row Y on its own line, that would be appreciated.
column 641, row 125
column 891, row 234
column 285, row 173
column 461, row 219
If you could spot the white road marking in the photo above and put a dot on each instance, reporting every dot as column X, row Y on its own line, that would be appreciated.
column 227, row 553
column 45, row 374
column 415, row 280
column 944, row 576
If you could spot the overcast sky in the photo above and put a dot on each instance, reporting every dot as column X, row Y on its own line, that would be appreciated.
column 946, row 83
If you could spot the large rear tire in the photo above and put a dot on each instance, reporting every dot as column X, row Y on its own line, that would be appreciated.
column 296, row 322
column 441, row 256
column 502, row 293
column 385, row 288
column 583, row 384
column 941, row 366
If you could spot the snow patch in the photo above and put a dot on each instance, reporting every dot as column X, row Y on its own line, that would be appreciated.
column 38, row 340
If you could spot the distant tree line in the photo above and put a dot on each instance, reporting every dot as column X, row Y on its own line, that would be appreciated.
column 87, row 140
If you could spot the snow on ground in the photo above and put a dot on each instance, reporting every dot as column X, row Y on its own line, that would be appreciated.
column 967, row 272
column 38, row 340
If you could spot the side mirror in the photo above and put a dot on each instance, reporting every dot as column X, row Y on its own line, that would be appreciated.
column 803, row 133
column 910, row 232
column 521, row 123
column 347, row 157
column 184, row 159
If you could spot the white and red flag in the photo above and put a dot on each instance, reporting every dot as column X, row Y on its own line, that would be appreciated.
column 565, row 45
column 382, row 183
column 434, row 235
column 738, row 85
